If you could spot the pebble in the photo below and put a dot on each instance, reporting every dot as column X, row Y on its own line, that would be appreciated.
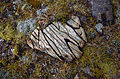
column 99, row 27
column 1, row 40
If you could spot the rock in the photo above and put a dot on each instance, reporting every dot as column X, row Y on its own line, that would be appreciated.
column 64, row 42
column 102, row 9
column 118, row 13
column 76, row 77
column 26, row 26
column 41, row 11
column 99, row 27
column 1, row 39
column 17, row 2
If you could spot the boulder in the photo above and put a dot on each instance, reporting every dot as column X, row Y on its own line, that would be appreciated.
column 62, row 41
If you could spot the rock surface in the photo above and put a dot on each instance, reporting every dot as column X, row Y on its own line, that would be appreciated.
column 62, row 42
column 26, row 26
column 118, row 13
column 102, row 9
column 99, row 27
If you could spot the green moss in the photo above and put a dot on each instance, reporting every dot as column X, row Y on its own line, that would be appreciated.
column 103, row 63
column 16, row 49
column 8, row 33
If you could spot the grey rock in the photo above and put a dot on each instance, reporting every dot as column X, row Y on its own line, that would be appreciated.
column 99, row 27
column 118, row 10
column 118, row 13
column 17, row 2
column 1, row 39
column 26, row 26
column 41, row 11
column 102, row 9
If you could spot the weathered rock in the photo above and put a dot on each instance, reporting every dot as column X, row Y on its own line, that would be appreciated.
column 99, row 27
column 102, row 9
column 41, row 11
column 29, row 25
column 118, row 13
column 62, row 42
column 26, row 26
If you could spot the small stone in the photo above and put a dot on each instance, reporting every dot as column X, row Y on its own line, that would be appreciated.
column 118, row 10
column 76, row 77
column 1, row 40
column 99, row 27
column 3, row 54
column 118, row 13
column 41, row 11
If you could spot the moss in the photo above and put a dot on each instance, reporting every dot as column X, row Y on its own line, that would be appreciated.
column 15, row 52
column 8, row 33
column 100, row 63
column 103, row 63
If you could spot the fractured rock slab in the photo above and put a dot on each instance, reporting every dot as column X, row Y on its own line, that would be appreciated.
column 64, row 42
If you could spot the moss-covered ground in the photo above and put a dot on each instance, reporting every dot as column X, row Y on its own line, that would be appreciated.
column 101, row 52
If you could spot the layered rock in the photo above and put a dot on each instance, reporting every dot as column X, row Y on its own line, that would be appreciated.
column 64, row 42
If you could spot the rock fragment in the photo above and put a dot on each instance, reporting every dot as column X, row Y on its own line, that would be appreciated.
column 64, row 42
